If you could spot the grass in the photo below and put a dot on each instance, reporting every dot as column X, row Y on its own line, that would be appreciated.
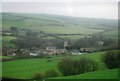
column 101, row 74
column 0, row 41
column 25, row 69
column 46, row 23
column 8, row 38
column 5, row 57
column 58, row 24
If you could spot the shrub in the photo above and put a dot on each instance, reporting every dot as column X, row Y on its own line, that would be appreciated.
column 52, row 73
column 49, row 60
column 39, row 76
column 73, row 67
column 111, row 59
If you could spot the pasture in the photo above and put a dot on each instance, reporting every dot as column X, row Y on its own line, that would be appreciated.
column 19, row 68
column 101, row 74
column 53, row 24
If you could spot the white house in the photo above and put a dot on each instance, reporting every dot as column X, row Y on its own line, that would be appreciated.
column 33, row 54
column 14, row 54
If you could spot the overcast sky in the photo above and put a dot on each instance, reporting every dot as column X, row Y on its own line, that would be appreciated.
column 105, row 9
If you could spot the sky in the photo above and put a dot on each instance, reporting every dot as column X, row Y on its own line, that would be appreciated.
column 107, row 9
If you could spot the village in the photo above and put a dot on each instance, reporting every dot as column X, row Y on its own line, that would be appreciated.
column 31, row 44
column 50, row 50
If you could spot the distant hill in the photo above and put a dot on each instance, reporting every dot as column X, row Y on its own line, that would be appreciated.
column 59, row 24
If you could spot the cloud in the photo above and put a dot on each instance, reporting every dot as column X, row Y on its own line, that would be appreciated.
column 108, row 10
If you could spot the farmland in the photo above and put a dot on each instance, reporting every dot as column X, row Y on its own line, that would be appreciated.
column 19, row 68
column 54, row 24
column 33, row 33
column 107, row 74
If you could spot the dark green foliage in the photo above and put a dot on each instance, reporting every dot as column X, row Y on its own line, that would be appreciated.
column 112, row 59
column 39, row 76
column 13, row 29
column 52, row 73
column 73, row 67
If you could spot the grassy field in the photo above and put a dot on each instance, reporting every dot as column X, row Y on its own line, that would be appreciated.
column 0, row 41
column 25, row 69
column 19, row 68
column 8, row 38
column 101, row 74
column 53, row 24
column 5, row 57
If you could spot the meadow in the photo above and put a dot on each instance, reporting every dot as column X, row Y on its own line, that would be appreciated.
column 54, row 24
column 19, row 68
column 101, row 74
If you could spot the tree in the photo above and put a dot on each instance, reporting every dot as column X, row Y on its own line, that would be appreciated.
column 51, row 73
column 112, row 59
column 73, row 67
column 39, row 76
column 13, row 29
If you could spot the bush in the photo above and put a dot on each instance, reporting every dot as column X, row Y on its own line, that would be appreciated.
column 49, row 60
column 39, row 76
column 73, row 67
column 52, row 73
column 111, row 59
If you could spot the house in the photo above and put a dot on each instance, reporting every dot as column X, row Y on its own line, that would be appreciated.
column 76, row 52
column 65, row 44
column 61, row 51
column 85, row 50
column 14, row 54
column 100, row 43
column 33, row 54
column 51, row 50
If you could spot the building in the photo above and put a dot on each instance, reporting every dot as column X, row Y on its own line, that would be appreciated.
column 65, row 44
column 76, row 52
column 61, row 51
column 85, row 50
column 51, row 50
column 33, row 54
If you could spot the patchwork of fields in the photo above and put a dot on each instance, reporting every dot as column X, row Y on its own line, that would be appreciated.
column 53, row 24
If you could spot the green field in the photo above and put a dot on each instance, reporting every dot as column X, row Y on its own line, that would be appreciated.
column 0, row 41
column 5, row 57
column 8, row 38
column 101, row 74
column 59, row 24
column 25, row 69
column 54, row 24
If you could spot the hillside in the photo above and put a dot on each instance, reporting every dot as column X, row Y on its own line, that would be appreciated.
column 19, row 68
column 55, row 24
column 101, row 74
